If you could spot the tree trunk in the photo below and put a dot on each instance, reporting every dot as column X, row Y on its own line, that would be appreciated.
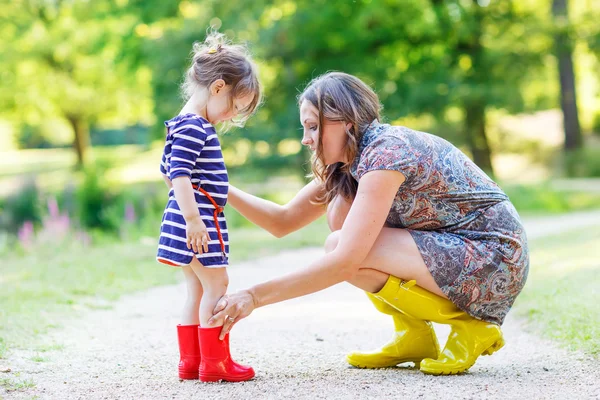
column 474, row 102
column 82, row 137
column 476, row 136
column 568, row 98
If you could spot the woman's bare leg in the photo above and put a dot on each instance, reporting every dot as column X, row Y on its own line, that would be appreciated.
column 394, row 253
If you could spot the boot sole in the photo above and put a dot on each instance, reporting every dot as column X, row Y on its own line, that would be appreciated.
column 188, row 375
column 497, row 345
column 217, row 378
column 389, row 365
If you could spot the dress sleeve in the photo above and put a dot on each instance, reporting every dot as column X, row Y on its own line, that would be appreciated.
column 187, row 143
column 389, row 152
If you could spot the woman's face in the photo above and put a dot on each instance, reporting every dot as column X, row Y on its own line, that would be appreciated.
column 332, row 134
column 220, row 108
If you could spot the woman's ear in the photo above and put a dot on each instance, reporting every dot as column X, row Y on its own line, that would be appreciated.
column 217, row 86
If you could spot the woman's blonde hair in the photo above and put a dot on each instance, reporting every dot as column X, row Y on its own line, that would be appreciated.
column 340, row 97
column 217, row 58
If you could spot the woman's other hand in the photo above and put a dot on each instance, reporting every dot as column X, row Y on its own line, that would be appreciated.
column 231, row 308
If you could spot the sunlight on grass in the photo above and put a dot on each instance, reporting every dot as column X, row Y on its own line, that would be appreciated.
column 562, row 293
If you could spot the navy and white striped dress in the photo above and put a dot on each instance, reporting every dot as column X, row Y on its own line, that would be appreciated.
column 192, row 149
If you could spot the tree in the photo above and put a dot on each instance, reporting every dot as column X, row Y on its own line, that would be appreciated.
column 62, row 60
column 568, row 97
column 422, row 57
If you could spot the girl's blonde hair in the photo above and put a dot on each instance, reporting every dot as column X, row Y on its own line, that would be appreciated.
column 217, row 58
column 340, row 97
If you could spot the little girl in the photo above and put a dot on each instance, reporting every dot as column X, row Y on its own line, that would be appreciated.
column 221, row 86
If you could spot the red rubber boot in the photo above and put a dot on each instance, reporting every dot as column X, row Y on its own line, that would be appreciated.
column 216, row 363
column 189, row 351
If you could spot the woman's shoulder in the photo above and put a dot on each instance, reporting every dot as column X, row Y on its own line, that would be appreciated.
column 384, row 137
column 402, row 137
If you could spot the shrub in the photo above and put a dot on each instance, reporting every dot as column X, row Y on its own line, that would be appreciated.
column 23, row 206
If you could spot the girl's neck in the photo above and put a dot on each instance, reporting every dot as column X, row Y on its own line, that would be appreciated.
column 196, row 104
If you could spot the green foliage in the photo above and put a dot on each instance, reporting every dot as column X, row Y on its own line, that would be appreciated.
column 423, row 57
column 61, row 59
column 596, row 124
column 97, row 203
column 25, row 205
column 136, row 134
column 31, row 137
column 543, row 199
column 584, row 162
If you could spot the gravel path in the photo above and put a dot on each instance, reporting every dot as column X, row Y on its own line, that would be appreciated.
column 297, row 349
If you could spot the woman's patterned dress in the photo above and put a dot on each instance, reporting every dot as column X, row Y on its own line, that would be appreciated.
column 468, row 232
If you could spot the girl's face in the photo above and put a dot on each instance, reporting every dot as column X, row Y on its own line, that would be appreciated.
column 332, row 134
column 219, row 107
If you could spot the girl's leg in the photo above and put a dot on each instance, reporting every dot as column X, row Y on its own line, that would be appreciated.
column 189, row 314
column 216, row 363
column 187, row 330
column 214, row 284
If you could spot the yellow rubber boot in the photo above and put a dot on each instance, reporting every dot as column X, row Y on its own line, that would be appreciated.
column 413, row 341
column 468, row 339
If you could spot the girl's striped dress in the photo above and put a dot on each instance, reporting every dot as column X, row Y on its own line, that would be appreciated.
column 192, row 149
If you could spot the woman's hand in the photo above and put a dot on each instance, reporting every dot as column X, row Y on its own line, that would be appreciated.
column 197, row 235
column 231, row 308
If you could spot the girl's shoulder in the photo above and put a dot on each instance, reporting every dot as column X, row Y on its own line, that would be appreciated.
column 189, row 121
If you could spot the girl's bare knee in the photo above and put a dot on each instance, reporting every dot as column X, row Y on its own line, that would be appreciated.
column 210, row 277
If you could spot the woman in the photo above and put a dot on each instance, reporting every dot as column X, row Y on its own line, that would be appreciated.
column 416, row 224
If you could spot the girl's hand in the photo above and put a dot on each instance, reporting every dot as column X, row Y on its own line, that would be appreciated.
column 197, row 235
column 231, row 308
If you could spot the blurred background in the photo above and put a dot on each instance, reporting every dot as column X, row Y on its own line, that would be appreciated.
column 85, row 86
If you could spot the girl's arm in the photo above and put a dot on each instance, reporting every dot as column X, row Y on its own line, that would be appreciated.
column 167, row 181
column 277, row 219
column 186, row 200
column 376, row 193
column 197, row 236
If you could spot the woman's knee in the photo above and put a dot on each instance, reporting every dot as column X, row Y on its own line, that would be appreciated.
column 332, row 241
column 337, row 211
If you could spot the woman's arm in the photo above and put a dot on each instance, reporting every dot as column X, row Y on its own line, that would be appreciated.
column 277, row 219
column 376, row 192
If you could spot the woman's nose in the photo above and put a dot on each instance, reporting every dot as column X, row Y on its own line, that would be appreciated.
column 306, row 141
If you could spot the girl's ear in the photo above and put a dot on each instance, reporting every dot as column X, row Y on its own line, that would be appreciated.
column 348, row 126
column 217, row 86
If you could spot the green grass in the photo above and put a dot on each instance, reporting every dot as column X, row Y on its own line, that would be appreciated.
column 12, row 385
column 562, row 293
column 542, row 198
column 42, row 288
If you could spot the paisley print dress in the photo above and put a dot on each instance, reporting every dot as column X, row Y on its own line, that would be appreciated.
column 468, row 232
